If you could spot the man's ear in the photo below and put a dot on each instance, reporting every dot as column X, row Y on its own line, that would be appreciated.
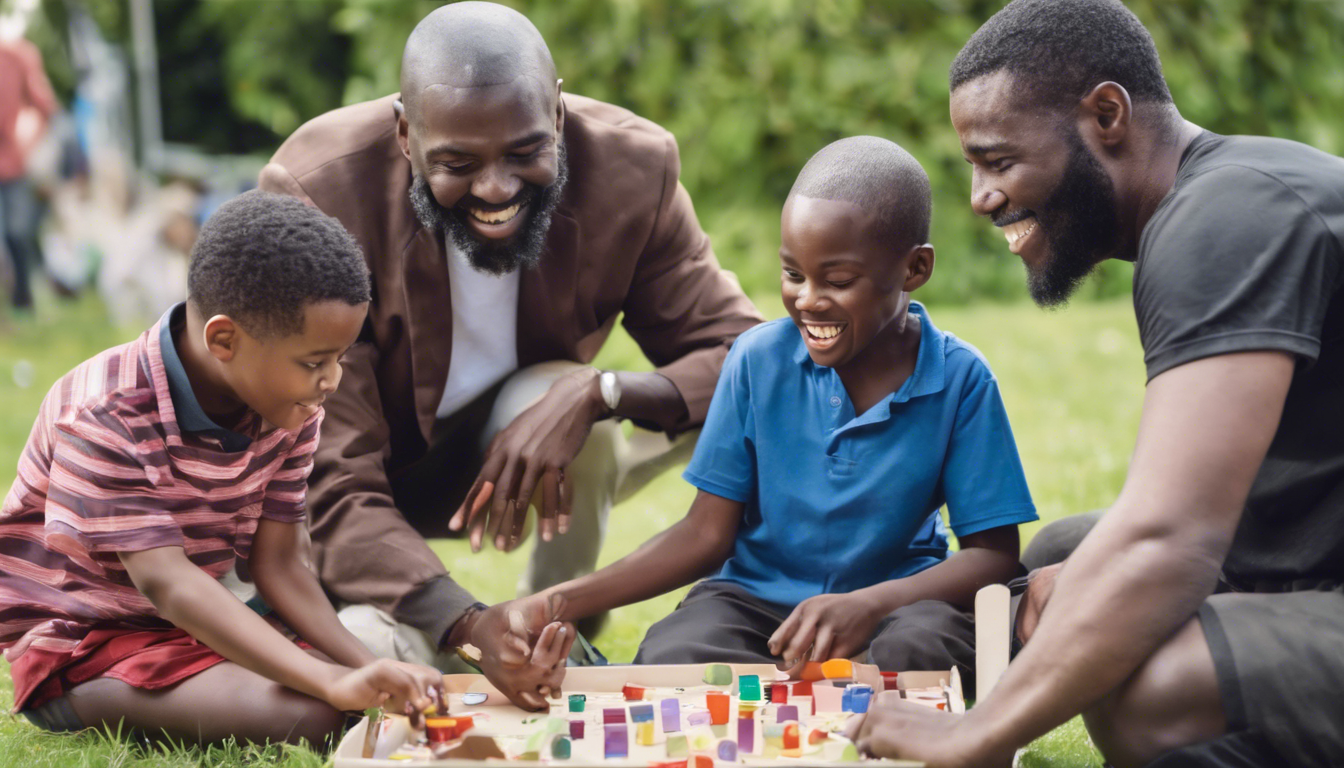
column 559, row 108
column 403, row 129
column 1106, row 113
column 919, row 268
column 221, row 337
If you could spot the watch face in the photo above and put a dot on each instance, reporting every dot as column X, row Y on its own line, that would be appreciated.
column 611, row 389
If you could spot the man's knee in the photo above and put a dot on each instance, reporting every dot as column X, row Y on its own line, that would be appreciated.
column 1056, row 541
column 927, row 635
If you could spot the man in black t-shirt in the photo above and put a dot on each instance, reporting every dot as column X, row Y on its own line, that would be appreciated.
column 1201, row 621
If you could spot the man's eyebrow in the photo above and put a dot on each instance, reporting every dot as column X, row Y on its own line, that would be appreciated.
column 985, row 149
column 449, row 149
column 329, row 351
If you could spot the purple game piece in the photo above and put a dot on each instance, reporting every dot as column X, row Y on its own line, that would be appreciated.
column 787, row 713
column 576, row 729
column 616, row 741
column 746, row 735
column 728, row 751
column 700, row 717
column 671, row 715
column 613, row 715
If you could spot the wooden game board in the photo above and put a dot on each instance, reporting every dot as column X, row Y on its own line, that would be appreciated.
column 510, row 727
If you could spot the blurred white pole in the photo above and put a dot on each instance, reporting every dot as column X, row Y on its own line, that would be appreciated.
column 147, row 85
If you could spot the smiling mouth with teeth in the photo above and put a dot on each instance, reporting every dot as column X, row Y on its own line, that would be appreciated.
column 495, row 217
column 824, row 332
column 1019, row 229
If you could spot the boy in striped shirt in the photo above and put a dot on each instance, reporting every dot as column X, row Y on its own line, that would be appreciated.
column 162, row 466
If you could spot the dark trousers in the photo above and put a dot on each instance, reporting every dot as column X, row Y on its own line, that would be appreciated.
column 18, row 225
column 719, row 621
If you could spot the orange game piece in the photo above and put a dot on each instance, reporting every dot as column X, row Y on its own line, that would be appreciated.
column 791, row 736
column 812, row 671
column 802, row 689
column 837, row 669
column 462, row 725
column 718, row 707
column 817, row 736
column 668, row 764
column 703, row 761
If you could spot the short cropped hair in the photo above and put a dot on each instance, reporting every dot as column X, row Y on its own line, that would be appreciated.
column 262, row 258
column 878, row 176
column 1059, row 50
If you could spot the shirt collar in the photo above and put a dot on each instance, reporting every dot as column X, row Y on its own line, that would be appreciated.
column 928, row 376
column 190, row 416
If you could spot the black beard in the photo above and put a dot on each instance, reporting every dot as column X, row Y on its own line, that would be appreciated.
column 522, row 251
column 1079, row 223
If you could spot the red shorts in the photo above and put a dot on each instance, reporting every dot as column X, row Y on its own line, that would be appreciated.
column 145, row 658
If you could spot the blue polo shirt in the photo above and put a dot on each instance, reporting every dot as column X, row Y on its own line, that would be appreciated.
column 836, row 501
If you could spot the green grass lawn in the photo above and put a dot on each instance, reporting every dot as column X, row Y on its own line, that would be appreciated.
column 1072, row 381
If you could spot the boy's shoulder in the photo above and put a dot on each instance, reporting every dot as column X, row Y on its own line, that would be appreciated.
column 113, row 389
column 770, row 337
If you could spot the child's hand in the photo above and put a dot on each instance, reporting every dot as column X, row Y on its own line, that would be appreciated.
column 523, row 649
column 384, row 683
column 831, row 626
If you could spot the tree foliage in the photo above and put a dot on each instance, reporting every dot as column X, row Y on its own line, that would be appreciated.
column 751, row 88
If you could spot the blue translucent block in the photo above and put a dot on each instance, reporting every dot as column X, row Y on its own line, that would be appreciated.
column 671, row 715
column 641, row 713
column 728, row 751
column 615, row 741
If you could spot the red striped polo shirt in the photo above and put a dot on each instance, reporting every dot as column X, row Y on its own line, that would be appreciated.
column 108, row 469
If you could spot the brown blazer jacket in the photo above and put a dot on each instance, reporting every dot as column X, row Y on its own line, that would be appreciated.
column 624, row 238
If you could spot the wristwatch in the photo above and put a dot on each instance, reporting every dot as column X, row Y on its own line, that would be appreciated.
column 611, row 390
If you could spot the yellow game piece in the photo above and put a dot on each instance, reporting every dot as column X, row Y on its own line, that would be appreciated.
column 837, row 669
column 644, row 734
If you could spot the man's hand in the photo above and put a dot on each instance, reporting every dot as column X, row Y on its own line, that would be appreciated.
column 832, row 626
column 899, row 729
column 533, row 450
column 523, row 648
column 1040, row 585
column 395, row 685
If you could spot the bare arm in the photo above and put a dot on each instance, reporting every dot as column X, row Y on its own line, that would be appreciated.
column 690, row 549
column 195, row 602
column 292, row 590
column 841, row 625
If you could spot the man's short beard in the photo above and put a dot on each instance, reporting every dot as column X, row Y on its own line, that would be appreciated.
column 1079, row 224
column 522, row 251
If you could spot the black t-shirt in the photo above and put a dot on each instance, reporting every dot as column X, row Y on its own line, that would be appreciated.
column 1247, row 253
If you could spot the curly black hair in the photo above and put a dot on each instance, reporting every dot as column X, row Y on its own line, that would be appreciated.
column 1059, row 50
column 262, row 258
column 878, row 176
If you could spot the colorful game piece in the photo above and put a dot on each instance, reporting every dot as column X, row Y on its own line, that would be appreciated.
column 615, row 741
column 746, row 735
column 699, row 717
column 464, row 723
column 561, row 748
column 817, row 736
column 812, row 671
column 701, row 738
column 837, row 669
column 667, row 764
column 779, row 693
column 774, row 734
column 702, row 761
column 791, row 740
column 749, row 688
column 677, row 745
column 613, row 715
column 718, row 674
column 644, row 733
column 828, row 698
column 634, row 692
column 576, row 729
column 473, row 699
column 786, row 713
column 439, row 729
column 746, row 711
column 803, row 688
column 641, row 713
column 718, row 707
column 671, row 715
column 728, row 751
column 889, row 682
column 855, row 698
column 577, row 702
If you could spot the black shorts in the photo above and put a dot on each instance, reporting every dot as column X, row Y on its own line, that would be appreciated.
column 1280, row 664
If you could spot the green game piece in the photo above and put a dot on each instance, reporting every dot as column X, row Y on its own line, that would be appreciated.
column 849, row 754
column 677, row 745
column 560, row 748
column 749, row 687
column 556, row 725
column 718, row 674
column 576, row 702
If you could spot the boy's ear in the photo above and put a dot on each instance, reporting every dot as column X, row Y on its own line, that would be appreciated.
column 221, row 337
column 919, row 267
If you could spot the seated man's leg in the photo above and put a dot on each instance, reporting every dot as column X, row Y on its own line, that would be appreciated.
column 717, row 621
column 1254, row 680
column 1056, row 541
column 608, row 469
column 926, row 635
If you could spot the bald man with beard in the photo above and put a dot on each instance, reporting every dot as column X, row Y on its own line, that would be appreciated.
column 507, row 225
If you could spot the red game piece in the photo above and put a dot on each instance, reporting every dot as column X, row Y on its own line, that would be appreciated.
column 889, row 682
column 464, row 723
column 812, row 671
column 633, row 692
column 667, row 764
column 703, row 761
column 779, row 693
column 791, row 736
column 718, row 707
column 817, row 736
column 803, row 688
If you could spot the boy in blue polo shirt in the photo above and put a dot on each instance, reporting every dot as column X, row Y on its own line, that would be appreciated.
column 834, row 437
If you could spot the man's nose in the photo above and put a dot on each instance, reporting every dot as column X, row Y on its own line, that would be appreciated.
column 495, row 185
column 986, row 198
